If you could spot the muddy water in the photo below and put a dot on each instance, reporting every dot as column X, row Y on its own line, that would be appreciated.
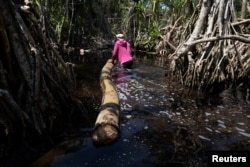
column 161, row 124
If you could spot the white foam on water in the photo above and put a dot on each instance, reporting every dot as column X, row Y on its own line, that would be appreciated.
column 245, row 134
column 204, row 138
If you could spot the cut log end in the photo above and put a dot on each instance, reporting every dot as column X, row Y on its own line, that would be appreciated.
column 105, row 134
column 107, row 125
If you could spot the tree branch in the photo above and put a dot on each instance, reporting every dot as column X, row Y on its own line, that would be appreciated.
column 211, row 39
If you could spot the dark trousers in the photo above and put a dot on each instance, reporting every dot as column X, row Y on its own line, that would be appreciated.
column 127, row 64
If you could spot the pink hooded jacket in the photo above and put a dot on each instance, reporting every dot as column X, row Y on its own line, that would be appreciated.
column 122, row 51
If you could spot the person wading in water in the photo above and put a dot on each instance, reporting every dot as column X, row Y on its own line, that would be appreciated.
column 122, row 52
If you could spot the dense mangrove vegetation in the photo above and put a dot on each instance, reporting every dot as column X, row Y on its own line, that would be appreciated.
column 204, row 44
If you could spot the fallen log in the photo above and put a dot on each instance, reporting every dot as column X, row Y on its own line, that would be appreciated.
column 106, row 129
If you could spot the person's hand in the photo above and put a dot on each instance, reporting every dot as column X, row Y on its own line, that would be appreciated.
column 114, row 61
column 111, row 61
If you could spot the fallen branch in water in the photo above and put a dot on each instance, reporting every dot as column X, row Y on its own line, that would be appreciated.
column 107, row 123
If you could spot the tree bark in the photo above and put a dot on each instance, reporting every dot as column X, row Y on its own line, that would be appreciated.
column 243, row 9
column 34, row 79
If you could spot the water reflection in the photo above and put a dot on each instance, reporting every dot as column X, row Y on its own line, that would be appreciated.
column 164, row 125
column 121, row 77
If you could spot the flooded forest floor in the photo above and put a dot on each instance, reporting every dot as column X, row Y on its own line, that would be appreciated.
column 161, row 123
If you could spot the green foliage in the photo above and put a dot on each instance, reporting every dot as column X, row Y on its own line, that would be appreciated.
column 149, row 37
column 238, row 6
column 148, row 17
column 140, row 20
column 70, row 19
column 53, row 13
